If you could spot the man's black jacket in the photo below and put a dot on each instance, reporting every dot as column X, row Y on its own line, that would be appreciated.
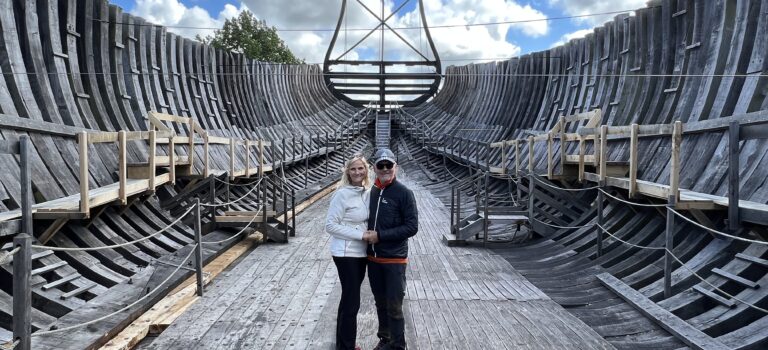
column 397, row 220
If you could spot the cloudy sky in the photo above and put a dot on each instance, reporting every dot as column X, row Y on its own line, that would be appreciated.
column 307, row 25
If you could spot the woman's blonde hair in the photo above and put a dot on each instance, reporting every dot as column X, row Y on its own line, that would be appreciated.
column 345, row 170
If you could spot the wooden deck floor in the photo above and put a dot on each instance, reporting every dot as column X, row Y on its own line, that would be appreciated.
column 285, row 296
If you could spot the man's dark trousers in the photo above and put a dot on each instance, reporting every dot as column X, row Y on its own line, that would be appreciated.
column 388, row 287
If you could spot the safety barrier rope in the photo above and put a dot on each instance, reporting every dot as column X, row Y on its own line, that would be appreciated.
column 562, row 227
column 716, row 231
column 7, row 256
column 628, row 243
column 682, row 264
column 59, row 330
column 632, row 203
column 11, row 345
column 536, row 178
column 62, row 249
column 236, row 184
column 255, row 186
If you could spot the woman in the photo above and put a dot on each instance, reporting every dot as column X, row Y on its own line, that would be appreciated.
column 346, row 223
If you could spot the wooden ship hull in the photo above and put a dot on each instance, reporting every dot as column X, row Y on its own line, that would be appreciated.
column 528, row 126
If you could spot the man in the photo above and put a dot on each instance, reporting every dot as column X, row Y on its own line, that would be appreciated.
column 393, row 219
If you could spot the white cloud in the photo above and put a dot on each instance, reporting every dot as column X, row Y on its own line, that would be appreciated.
column 462, row 42
column 174, row 13
column 589, row 7
column 570, row 36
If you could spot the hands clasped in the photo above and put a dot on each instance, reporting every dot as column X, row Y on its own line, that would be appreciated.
column 370, row 236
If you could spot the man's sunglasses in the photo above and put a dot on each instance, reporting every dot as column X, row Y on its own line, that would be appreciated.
column 384, row 165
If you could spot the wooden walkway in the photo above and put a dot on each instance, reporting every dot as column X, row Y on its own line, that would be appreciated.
column 285, row 296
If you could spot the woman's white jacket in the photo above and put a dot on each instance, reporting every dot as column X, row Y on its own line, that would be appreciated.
column 347, row 220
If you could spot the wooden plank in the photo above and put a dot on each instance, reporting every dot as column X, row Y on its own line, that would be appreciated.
column 102, row 137
column 603, row 158
column 9, row 147
column 38, row 126
column 667, row 320
column 52, row 230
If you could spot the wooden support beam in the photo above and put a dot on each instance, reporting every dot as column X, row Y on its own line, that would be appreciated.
column 83, row 145
column 52, row 230
column 633, row 161
column 503, row 158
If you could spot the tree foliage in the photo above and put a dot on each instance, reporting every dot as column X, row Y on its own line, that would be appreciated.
column 253, row 38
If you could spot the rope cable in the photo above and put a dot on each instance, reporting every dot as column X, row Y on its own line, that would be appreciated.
column 716, row 231
column 63, row 249
column 7, row 256
column 633, row 203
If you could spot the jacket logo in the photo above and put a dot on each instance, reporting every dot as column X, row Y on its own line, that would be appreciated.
column 384, row 200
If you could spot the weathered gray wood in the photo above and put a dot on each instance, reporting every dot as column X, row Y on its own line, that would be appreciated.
column 685, row 332
column 22, row 293
column 733, row 176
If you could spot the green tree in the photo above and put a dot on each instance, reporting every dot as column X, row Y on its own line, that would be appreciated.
column 253, row 38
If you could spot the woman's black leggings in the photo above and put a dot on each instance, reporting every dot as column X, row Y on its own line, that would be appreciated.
column 351, row 274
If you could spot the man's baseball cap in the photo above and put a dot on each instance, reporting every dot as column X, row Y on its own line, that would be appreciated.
column 384, row 154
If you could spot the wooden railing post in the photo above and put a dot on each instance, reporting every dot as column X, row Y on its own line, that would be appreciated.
column 517, row 158
column 247, row 158
column 26, row 184
column 600, row 219
column 674, row 161
column 232, row 158
column 191, row 153
column 669, row 244
column 85, row 207
column 22, row 293
column 207, row 155
column 633, row 160
column 531, row 191
column 603, row 152
column 733, row 176
column 530, row 154
column 198, row 248
column 550, row 161
column 172, row 159
column 503, row 157
column 152, row 159
column 582, row 154
column 261, row 157
column 562, row 146
column 122, row 166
